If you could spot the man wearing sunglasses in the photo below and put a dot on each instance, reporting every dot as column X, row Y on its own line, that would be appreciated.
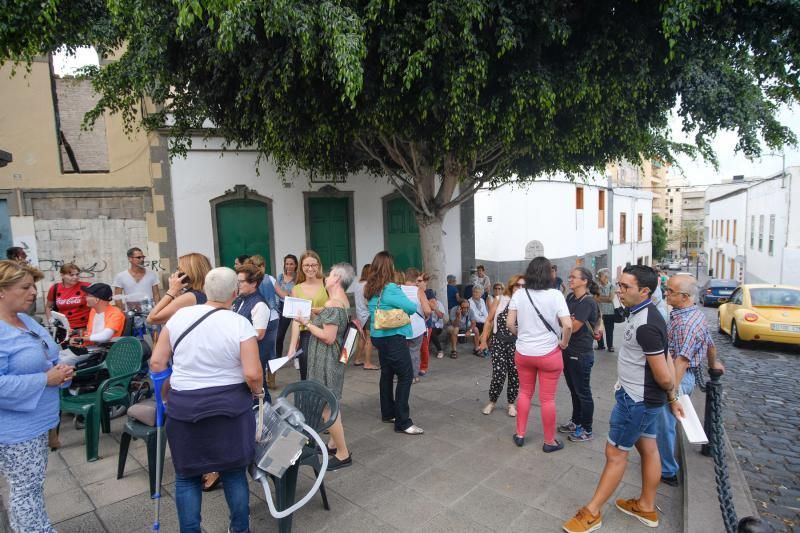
column 644, row 385
column 137, row 283
column 689, row 342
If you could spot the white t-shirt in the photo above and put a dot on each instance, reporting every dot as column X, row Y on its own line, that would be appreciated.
column 130, row 287
column 533, row 337
column 209, row 355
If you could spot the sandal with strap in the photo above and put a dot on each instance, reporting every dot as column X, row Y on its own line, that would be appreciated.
column 454, row 355
column 215, row 481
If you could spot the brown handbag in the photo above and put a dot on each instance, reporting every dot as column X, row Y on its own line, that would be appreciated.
column 389, row 318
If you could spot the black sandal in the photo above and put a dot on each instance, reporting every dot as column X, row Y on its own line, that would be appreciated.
column 454, row 355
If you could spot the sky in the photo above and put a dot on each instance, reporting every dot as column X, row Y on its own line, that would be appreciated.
column 697, row 172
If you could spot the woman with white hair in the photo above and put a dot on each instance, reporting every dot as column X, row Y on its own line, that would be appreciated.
column 327, row 330
column 216, row 372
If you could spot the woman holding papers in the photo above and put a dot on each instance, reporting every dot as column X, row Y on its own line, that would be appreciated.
column 384, row 295
column 326, row 335
column 309, row 286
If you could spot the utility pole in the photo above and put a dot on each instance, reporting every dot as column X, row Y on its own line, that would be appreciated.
column 610, row 228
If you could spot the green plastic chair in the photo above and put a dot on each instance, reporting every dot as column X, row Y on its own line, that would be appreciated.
column 123, row 361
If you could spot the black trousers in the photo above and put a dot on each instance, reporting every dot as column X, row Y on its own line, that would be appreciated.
column 435, row 340
column 283, row 327
column 578, row 373
column 395, row 361
column 608, row 324
column 305, row 336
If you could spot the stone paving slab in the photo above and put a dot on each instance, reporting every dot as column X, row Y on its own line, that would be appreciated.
column 464, row 475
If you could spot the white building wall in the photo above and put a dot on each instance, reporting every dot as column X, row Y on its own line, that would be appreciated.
column 507, row 219
column 204, row 174
column 633, row 203
column 722, row 245
column 767, row 199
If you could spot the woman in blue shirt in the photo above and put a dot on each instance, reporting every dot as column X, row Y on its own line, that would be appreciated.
column 381, row 293
column 29, row 387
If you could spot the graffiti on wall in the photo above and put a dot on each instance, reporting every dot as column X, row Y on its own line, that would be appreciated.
column 90, row 270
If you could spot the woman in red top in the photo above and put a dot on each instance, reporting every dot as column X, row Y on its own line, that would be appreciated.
column 67, row 297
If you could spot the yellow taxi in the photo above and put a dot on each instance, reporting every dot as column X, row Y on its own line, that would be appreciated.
column 760, row 312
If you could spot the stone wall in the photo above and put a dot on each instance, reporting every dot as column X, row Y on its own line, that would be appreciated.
column 75, row 99
column 91, row 228
column 113, row 207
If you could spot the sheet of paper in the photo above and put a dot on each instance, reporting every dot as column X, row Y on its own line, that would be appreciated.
column 691, row 423
column 348, row 345
column 280, row 362
column 411, row 291
column 296, row 307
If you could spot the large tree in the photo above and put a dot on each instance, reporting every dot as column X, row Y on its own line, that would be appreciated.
column 441, row 97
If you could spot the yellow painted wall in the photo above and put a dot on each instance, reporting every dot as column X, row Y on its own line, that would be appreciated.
column 27, row 130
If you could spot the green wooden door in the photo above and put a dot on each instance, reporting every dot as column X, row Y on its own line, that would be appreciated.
column 329, row 230
column 403, row 234
column 243, row 229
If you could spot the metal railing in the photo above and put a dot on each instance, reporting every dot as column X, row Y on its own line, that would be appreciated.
column 715, row 449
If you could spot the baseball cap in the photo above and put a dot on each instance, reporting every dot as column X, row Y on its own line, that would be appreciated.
column 100, row 290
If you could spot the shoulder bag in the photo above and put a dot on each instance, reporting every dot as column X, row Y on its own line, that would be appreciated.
column 145, row 411
column 389, row 318
column 545, row 322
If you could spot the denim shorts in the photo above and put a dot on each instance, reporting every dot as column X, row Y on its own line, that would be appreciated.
column 630, row 421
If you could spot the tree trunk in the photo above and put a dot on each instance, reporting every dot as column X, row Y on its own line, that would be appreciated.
column 433, row 256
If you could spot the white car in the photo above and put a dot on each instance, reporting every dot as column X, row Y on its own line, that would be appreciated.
column 673, row 265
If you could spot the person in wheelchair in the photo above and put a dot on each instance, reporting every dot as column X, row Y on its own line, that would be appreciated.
column 105, row 322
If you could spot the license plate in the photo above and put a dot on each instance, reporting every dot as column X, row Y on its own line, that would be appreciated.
column 725, row 293
column 786, row 327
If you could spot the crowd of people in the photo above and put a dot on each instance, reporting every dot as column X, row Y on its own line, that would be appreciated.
column 221, row 326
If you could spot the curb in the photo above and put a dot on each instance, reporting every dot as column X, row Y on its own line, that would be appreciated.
column 701, row 509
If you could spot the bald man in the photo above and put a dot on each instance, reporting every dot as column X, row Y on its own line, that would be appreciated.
column 689, row 342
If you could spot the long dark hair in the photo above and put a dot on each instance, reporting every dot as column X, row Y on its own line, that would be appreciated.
column 537, row 275
column 381, row 273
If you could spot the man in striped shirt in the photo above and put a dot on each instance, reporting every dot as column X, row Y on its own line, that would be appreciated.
column 689, row 343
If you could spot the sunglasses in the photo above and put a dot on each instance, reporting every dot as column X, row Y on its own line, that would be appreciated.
column 39, row 338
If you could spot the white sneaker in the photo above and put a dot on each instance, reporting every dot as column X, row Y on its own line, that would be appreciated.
column 411, row 430
column 440, row 355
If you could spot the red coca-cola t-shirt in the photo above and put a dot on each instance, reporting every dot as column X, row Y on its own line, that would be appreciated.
column 70, row 302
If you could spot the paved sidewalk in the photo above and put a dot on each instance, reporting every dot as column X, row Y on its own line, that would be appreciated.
column 465, row 474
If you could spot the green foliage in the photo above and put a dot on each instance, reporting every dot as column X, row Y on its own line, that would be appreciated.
column 659, row 237
column 432, row 93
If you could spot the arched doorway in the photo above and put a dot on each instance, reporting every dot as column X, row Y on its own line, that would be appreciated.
column 242, row 221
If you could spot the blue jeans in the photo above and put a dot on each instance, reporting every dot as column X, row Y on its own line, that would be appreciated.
column 665, row 436
column 630, row 421
column 189, row 496
column 395, row 359
column 578, row 374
